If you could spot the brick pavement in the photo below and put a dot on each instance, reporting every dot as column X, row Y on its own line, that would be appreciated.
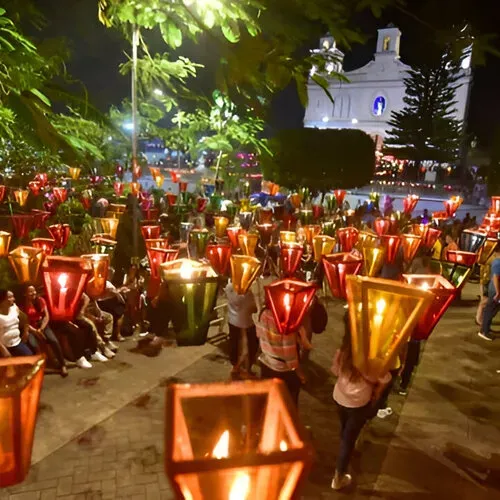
column 441, row 442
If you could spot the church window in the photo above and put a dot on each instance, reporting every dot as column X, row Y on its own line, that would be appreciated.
column 379, row 105
column 387, row 43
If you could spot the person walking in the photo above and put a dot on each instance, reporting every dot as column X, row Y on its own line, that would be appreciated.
column 493, row 305
column 484, row 282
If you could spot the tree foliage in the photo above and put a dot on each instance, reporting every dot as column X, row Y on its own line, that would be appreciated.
column 320, row 159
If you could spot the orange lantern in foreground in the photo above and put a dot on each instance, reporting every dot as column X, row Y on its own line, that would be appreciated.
column 248, row 243
column 99, row 264
column 151, row 232
column 60, row 233
column 5, row 238
column 337, row 266
column 323, row 245
column 289, row 300
column 244, row 271
column 21, row 196
column 46, row 245
column 444, row 293
column 374, row 260
column 219, row 256
column 64, row 279
column 26, row 263
column 410, row 244
column 290, row 257
column 465, row 258
column 382, row 315
column 348, row 237
column 252, row 447
column 20, row 385
column 391, row 245
column 221, row 224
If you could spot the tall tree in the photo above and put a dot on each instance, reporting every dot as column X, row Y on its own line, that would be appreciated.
column 426, row 128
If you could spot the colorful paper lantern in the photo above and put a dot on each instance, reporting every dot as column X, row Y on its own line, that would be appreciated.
column 3, row 192
column 366, row 239
column 251, row 448
column 382, row 315
column 410, row 244
column 102, row 244
column 43, row 178
column 22, row 225
column 118, row 188
column 183, row 187
column 74, row 172
column 471, row 241
column 455, row 273
column 99, row 265
column 26, row 263
column 495, row 204
column 198, row 241
column 265, row 215
column 35, row 187
column 382, row 226
column 244, row 205
column 431, row 236
column 289, row 300
column 21, row 196
column 444, row 293
column 46, row 245
column 339, row 197
column 288, row 237
column 60, row 194
column 373, row 259
column 219, row 256
column 109, row 226
column 171, row 199
column 347, row 238
column 323, row 245
column 21, row 381
column 5, row 238
column 220, row 224
column 157, row 243
column 244, row 271
column 151, row 232
column 337, row 266
column 266, row 232
column 486, row 251
column 246, row 219
column 290, row 258
column 233, row 233
column 391, row 245
column 175, row 176
column 248, row 243
column 135, row 188
column 193, row 291
column 410, row 203
column 60, row 233
column 311, row 231
column 157, row 256
column 459, row 257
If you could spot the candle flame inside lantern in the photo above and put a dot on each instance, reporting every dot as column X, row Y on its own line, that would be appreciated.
column 186, row 271
column 425, row 286
column 286, row 301
column 221, row 449
column 380, row 308
column 63, row 280
column 283, row 446
column 241, row 487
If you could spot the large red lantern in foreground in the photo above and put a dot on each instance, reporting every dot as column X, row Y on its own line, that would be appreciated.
column 347, row 237
column 410, row 203
column 459, row 257
column 391, row 245
column 151, row 232
column 337, row 266
column 64, row 279
column 382, row 315
column 219, row 256
column 290, row 256
column 22, row 225
column 444, row 293
column 60, row 233
column 20, row 385
column 289, row 300
column 47, row 245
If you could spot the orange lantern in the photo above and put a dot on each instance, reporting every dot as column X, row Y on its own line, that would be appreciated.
column 46, row 245
column 21, row 382
column 295, row 200
column 22, row 224
column 430, row 238
column 5, row 238
column 311, row 231
column 337, row 266
column 382, row 315
column 339, row 197
column 74, row 172
column 348, row 237
column 373, row 258
column 64, row 280
column 157, row 256
column 444, row 293
column 157, row 243
column 109, row 226
column 60, row 233
column 323, row 245
column 136, row 171
column 99, row 264
column 117, row 208
column 118, row 188
column 60, row 194
column 391, row 244
column 135, row 188
column 233, row 233
column 248, row 243
column 410, row 203
column 26, row 263
column 221, row 224
column 439, row 217
column 151, row 232
column 154, row 171
column 459, row 257
column 290, row 257
column 244, row 271
column 289, row 300
column 21, row 196
column 251, row 448
column 175, row 176
column 266, row 232
column 288, row 237
column 410, row 244
column 382, row 226
column 219, row 256
column 35, row 187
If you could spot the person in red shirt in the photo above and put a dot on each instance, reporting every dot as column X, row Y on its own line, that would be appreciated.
column 35, row 308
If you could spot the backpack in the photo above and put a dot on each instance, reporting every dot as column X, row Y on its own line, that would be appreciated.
column 319, row 317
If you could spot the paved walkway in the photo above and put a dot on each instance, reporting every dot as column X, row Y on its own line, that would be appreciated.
column 100, row 433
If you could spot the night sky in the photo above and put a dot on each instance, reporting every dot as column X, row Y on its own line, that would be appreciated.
column 97, row 53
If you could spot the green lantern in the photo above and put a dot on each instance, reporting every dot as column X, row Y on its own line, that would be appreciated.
column 456, row 274
column 198, row 241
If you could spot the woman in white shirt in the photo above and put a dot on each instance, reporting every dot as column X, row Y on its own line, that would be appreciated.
column 11, row 341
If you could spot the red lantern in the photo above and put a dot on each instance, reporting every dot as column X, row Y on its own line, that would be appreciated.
column 410, row 244
column 347, row 238
column 201, row 204
column 171, row 198
column 60, row 194
column 290, row 256
column 339, row 197
column 136, row 172
column 219, row 257
column 119, row 171
column 430, row 237
column 46, row 245
column 318, row 211
column 495, row 204
column 150, row 213
column 39, row 218
column 64, row 279
column 382, row 226
column 118, row 188
column 183, row 187
column 444, row 293
column 157, row 256
column 60, row 233
column 233, row 233
column 35, row 187
column 410, row 203
column 452, row 205
column 337, row 266
column 3, row 191
column 458, row 257
column 96, row 179
column 43, row 178
column 266, row 232
column 135, row 188
column 157, row 243
column 391, row 244
column 151, row 232
column 289, row 222
column 289, row 300
column 265, row 215
column 175, row 176
column 22, row 225
column 86, row 202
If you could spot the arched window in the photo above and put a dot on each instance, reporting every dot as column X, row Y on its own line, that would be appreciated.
column 387, row 44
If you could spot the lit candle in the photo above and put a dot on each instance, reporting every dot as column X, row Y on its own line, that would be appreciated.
column 241, row 487
column 221, row 449
column 62, row 280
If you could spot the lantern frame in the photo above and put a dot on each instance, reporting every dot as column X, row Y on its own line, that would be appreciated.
column 290, row 258
column 323, row 245
column 109, row 225
column 266, row 231
column 219, row 256
column 150, row 232
column 198, row 241
column 382, row 226
column 22, row 224
column 347, row 238
column 60, row 194
column 410, row 203
column 472, row 241
column 373, row 258
column 233, row 233
column 244, row 271
column 26, row 262
column 337, row 266
column 60, row 233
column 157, row 256
column 410, row 244
column 47, row 245
column 464, row 258
column 248, row 243
column 391, row 244
column 456, row 274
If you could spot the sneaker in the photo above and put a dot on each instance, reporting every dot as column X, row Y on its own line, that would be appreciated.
column 111, row 346
column 384, row 413
column 108, row 352
column 403, row 392
column 97, row 356
column 83, row 363
column 484, row 336
column 344, row 482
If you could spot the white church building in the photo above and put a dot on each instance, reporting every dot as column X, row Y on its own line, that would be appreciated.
column 372, row 92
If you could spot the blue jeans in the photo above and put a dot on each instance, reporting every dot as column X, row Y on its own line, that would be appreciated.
column 490, row 311
column 21, row 349
column 352, row 421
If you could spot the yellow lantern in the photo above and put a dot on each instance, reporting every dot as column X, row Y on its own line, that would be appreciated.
column 366, row 239
column 26, row 262
column 221, row 224
column 4, row 243
column 323, row 245
column 21, row 196
column 109, row 226
column 288, row 237
column 119, row 208
column 159, row 180
column 244, row 271
column 20, row 385
column 74, row 172
column 373, row 260
column 248, row 243
column 382, row 315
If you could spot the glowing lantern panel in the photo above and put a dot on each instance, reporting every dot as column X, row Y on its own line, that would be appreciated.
column 46, row 245
column 311, row 231
column 158, row 256
column 410, row 203
column 471, row 241
column 22, row 225
column 151, row 232
column 157, row 243
column 5, row 238
column 339, row 197
column 410, row 244
column 374, row 260
column 60, row 194
column 74, row 172
column 456, row 274
column 21, row 196
column 464, row 258
column 382, row 226
column 322, row 245
column 60, row 233
column 219, row 256
column 109, row 226
column 347, row 237
column 198, row 241
column 391, row 245
column 290, row 258
column 248, row 243
column 99, row 264
column 337, row 266
column 221, row 224
column 26, row 263
column 118, row 188
column 288, row 237
column 244, row 271
column 35, row 187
